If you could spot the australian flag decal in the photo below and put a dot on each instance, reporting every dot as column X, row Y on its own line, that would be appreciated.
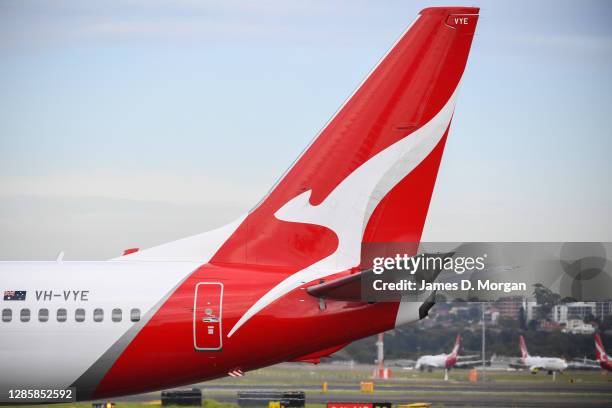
column 14, row 294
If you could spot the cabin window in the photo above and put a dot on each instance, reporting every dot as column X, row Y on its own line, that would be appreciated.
column 79, row 315
column 25, row 315
column 62, row 315
column 116, row 315
column 43, row 315
column 98, row 315
column 135, row 315
column 7, row 315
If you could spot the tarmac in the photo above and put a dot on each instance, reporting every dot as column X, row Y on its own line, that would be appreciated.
column 439, row 393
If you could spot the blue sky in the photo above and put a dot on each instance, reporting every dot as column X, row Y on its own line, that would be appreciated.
column 131, row 123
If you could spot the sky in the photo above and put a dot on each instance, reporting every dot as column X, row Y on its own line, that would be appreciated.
column 132, row 123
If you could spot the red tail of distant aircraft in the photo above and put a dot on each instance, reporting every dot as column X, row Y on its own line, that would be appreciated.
column 446, row 361
column 523, row 347
column 452, row 358
column 234, row 299
column 600, row 354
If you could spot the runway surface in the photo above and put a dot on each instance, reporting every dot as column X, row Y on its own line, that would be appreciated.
column 439, row 393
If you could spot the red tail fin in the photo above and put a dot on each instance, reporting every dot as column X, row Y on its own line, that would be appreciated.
column 371, row 171
column 455, row 351
column 524, row 352
column 600, row 351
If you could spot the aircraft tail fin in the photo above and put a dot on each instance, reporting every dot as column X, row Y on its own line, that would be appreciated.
column 600, row 351
column 369, row 174
column 524, row 352
column 455, row 351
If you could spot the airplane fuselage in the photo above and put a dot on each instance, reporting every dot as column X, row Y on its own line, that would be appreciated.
column 111, row 328
column 536, row 363
column 436, row 361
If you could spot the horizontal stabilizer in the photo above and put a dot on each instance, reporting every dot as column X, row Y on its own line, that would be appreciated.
column 348, row 288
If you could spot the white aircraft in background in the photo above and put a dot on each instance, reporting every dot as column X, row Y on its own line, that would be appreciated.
column 602, row 360
column 445, row 361
column 536, row 363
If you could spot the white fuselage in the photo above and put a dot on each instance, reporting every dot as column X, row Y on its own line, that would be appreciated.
column 545, row 363
column 57, row 350
column 429, row 361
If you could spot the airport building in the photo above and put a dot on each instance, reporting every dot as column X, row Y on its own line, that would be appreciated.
column 509, row 306
column 603, row 309
column 531, row 310
column 573, row 311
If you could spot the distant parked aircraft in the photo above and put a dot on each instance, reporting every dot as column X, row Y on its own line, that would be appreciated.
column 602, row 360
column 602, row 357
column 536, row 363
column 447, row 361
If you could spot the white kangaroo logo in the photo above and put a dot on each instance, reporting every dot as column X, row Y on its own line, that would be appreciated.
column 347, row 209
